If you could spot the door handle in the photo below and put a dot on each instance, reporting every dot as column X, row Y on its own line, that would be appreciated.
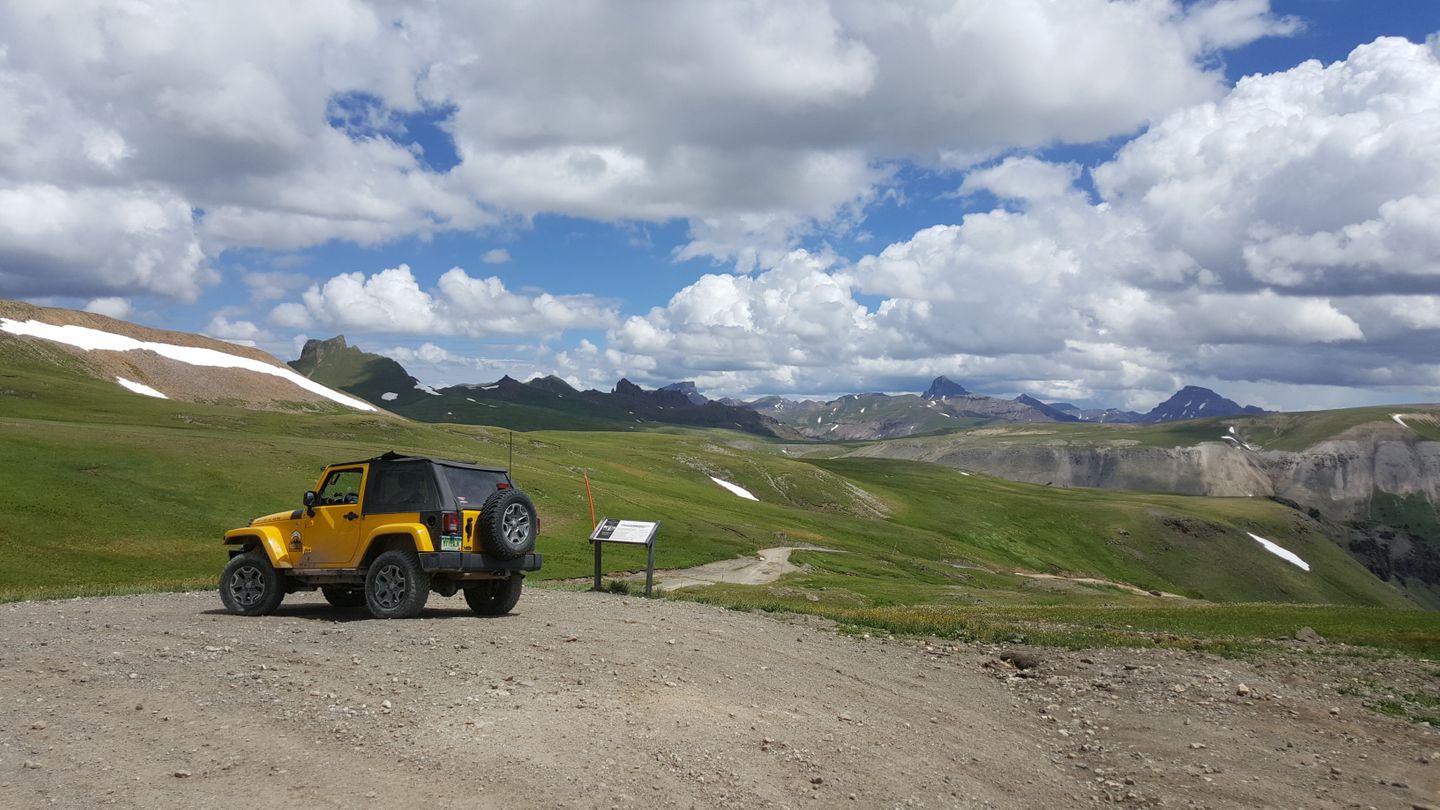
column 351, row 516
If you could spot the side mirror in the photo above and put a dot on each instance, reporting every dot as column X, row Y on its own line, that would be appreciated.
column 309, row 500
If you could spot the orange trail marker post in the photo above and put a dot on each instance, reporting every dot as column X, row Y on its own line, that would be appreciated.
column 590, row 497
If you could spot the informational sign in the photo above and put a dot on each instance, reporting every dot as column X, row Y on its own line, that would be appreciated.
column 631, row 532
column 613, row 530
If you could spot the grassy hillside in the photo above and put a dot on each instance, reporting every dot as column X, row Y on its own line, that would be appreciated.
column 109, row 491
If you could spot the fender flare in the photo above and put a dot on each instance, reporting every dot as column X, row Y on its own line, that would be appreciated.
column 267, row 538
column 417, row 533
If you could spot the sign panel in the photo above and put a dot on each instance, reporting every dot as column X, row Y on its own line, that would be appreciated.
column 613, row 530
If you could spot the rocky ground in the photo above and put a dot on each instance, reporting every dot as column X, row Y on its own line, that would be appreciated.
column 582, row 699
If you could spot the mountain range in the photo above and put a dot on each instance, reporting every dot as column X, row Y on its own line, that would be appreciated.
column 551, row 403
column 1365, row 475
column 541, row 403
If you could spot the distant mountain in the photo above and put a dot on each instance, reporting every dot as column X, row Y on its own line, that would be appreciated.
column 1110, row 415
column 882, row 416
column 1194, row 402
column 373, row 378
column 689, row 390
column 944, row 387
column 1054, row 413
column 544, row 403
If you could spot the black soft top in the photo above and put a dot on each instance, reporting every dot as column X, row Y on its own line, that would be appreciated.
column 391, row 455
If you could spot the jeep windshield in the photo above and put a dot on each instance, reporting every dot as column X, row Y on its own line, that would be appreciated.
column 471, row 486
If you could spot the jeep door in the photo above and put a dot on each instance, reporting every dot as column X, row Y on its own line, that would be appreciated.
column 333, row 532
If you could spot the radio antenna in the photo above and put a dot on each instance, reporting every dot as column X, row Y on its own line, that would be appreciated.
column 512, row 455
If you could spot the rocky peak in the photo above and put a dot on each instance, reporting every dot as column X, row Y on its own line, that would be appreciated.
column 943, row 387
column 1052, row 412
column 625, row 388
column 688, row 390
column 1194, row 402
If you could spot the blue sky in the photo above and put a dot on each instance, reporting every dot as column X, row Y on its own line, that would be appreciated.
column 1080, row 201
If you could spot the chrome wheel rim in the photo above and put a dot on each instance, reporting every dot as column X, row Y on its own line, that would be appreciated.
column 390, row 586
column 515, row 524
column 247, row 586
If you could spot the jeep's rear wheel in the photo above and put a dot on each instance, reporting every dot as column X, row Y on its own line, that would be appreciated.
column 250, row 586
column 396, row 587
column 507, row 525
column 494, row 597
column 343, row 597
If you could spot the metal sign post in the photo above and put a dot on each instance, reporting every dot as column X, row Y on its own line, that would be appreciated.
column 630, row 532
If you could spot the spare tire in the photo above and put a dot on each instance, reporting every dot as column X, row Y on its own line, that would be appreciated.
column 507, row 525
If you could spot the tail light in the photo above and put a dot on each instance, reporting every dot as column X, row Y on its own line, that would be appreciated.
column 450, row 523
column 502, row 485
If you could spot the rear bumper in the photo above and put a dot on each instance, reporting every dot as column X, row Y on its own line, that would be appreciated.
column 466, row 562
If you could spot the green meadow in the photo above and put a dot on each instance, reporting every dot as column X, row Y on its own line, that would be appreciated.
column 110, row 492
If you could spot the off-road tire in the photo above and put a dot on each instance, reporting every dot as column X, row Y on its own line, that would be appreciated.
column 396, row 587
column 507, row 525
column 343, row 597
column 250, row 585
column 494, row 597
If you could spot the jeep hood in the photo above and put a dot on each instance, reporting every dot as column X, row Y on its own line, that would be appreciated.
column 277, row 517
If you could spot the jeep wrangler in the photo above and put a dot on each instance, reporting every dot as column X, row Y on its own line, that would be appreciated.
column 384, row 533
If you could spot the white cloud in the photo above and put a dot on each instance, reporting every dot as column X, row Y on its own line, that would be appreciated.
column 106, row 242
column 496, row 256
column 118, row 308
column 392, row 301
column 280, row 126
column 240, row 331
column 1282, row 233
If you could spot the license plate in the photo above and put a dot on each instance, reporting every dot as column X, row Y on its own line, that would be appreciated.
column 449, row 544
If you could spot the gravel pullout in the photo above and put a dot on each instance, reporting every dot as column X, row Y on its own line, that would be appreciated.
column 596, row 700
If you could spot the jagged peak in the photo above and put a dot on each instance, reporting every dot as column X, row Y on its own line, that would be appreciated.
column 942, row 387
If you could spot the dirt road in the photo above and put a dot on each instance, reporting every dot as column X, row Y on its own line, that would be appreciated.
column 585, row 700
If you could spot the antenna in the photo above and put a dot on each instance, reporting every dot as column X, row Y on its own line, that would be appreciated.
column 511, row 465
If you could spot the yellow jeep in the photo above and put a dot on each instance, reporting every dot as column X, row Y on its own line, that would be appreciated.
column 383, row 533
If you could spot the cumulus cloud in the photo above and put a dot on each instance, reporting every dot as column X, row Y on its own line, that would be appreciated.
column 238, row 331
column 496, row 256
column 1283, row 232
column 161, row 135
column 392, row 301
column 104, row 242
column 113, row 307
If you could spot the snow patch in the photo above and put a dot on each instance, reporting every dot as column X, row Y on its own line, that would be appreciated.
column 489, row 387
column 1398, row 420
column 140, row 388
column 88, row 339
column 389, row 396
column 735, row 488
column 427, row 389
column 1288, row 556
column 862, row 410
column 962, row 472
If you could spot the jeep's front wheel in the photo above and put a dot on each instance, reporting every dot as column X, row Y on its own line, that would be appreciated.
column 494, row 597
column 250, row 586
column 343, row 597
column 396, row 587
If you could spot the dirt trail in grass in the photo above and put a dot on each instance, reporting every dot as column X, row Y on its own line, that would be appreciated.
column 599, row 700
column 1106, row 582
column 768, row 565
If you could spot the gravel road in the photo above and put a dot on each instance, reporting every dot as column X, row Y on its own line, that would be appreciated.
column 597, row 700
